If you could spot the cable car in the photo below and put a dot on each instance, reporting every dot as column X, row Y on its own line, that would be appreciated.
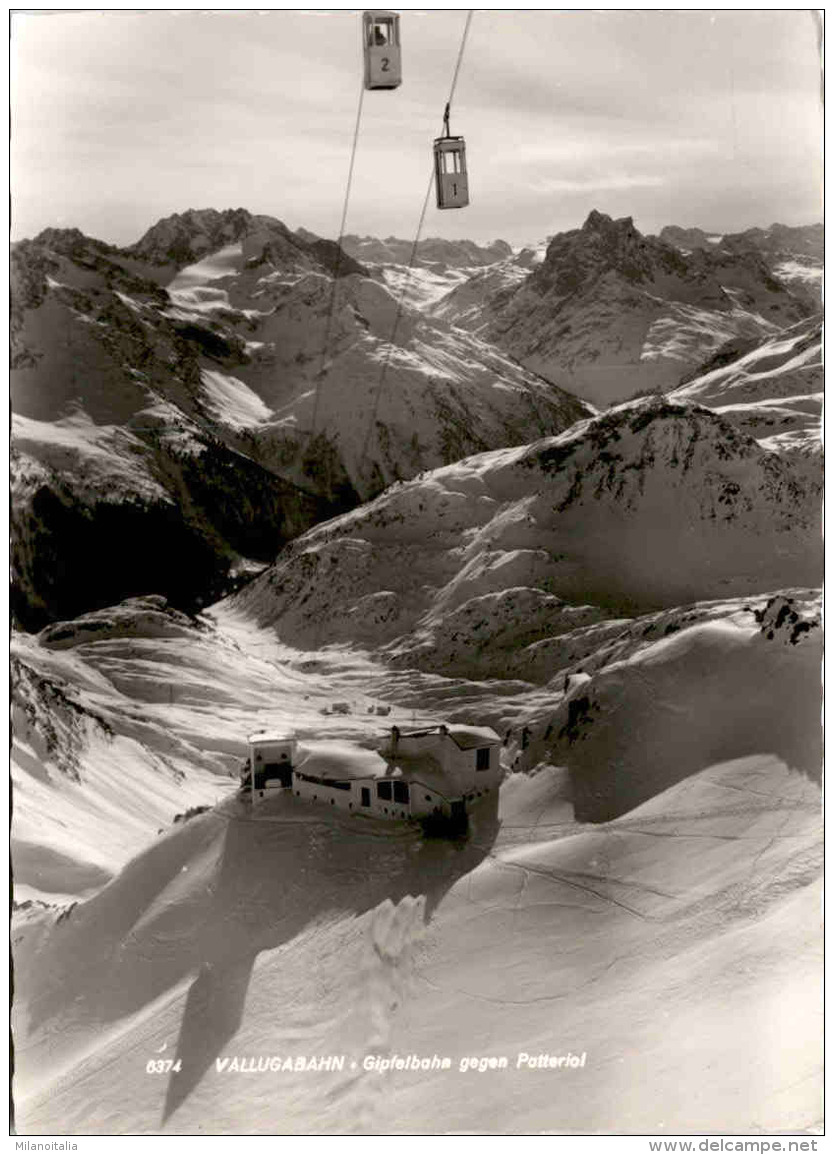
column 381, row 42
column 450, row 178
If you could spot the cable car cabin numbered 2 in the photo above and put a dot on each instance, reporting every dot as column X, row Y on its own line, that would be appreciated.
column 381, row 40
column 451, row 181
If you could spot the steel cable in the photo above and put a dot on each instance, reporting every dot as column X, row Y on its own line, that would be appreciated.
column 332, row 309
column 412, row 257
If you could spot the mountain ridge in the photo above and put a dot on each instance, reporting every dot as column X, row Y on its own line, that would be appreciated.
column 249, row 378
column 608, row 309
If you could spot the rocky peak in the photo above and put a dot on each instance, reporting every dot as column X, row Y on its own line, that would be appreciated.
column 802, row 240
column 184, row 237
column 77, row 263
column 577, row 258
column 690, row 239
column 69, row 242
column 598, row 222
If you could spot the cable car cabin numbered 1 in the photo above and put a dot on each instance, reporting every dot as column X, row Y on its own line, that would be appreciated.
column 381, row 40
column 451, row 181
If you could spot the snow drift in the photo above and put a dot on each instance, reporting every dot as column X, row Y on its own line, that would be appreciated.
column 709, row 692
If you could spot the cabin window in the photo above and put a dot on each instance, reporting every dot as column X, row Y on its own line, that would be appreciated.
column 380, row 35
column 401, row 792
column 451, row 162
column 366, row 796
column 482, row 758
column 383, row 790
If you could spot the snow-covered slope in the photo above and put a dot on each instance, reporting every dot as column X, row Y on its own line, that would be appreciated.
column 104, row 511
column 423, row 274
column 654, row 504
column 679, row 930
column 398, row 393
column 771, row 390
column 610, row 312
column 698, row 662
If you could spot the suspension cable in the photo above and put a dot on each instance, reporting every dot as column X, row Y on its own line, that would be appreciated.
column 337, row 265
column 413, row 256
column 390, row 345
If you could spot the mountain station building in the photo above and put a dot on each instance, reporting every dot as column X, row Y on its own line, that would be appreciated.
column 430, row 772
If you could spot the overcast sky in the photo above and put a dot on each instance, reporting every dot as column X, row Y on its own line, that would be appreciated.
column 689, row 118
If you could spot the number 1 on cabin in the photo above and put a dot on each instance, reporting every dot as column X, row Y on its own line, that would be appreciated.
column 450, row 177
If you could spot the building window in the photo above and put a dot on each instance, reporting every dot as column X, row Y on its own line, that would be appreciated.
column 383, row 790
column 401, row 792
column 482, row 758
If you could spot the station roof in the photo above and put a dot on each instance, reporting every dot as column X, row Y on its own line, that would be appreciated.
column 464, row 737
column 467, row 737
column 339, row 761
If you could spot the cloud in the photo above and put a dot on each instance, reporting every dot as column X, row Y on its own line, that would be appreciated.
column 119, row 117
column 599, row 184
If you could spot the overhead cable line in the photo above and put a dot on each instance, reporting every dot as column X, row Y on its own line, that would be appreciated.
column 413, row 256
column 337, row 265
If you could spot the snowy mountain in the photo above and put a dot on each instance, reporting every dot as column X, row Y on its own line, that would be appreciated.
column 771, row 390
column 196, row 398
column 610, row 311
column 775, row 241
column 793, row 254
column 424, row 274
column 121, row 483
column 629, row 598
column 780, row 240
column 654, row 504
column 430, row 251
column 184, row 238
